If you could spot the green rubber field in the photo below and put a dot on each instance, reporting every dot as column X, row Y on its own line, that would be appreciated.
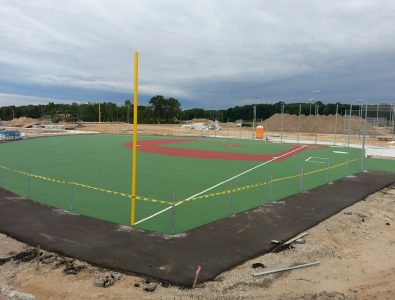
column 182, row 183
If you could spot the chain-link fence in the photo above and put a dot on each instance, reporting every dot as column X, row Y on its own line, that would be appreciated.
column 174, row 215
column 347, row 127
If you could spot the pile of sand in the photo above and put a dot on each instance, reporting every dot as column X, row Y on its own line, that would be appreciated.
column 23, row 122
column 321, row 124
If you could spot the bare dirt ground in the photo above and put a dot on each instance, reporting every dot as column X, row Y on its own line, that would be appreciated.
column 323, row 125
column 230, row 130
column 355, row 248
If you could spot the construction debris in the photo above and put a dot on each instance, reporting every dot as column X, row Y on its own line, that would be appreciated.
column 287, row 269
column 107, row 280
column 9, row 292
column 72, row 269
column 257, row 265
column 214, row 126
column 288, row 243
column 196, row 126
column 47, row 258
column 300, row 241
column 150, row 287
column 24, row 256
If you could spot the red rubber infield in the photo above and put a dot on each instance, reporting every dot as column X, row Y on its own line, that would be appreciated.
column 156, row 147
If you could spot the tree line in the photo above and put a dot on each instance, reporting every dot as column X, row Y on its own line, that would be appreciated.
column 159, row 110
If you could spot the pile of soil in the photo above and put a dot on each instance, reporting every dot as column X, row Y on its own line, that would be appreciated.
column 23, row 122
column 198, row 120
column 321, row 124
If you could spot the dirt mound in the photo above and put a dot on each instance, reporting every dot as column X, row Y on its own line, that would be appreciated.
column 198, row 120
column 23, row 122
column 321, row 124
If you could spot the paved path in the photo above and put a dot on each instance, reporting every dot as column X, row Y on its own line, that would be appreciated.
column 216, row 247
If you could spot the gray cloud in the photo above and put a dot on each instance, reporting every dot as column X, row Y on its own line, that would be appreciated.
column 207, row 53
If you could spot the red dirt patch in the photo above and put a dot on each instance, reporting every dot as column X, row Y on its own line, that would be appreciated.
column 155, row 147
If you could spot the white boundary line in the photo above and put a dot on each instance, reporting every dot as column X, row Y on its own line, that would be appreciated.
column 317, row 162
column 340, row 152
column 217, row 185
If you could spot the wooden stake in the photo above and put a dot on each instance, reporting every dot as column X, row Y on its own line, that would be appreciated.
column 197, row 272
column 37, row 257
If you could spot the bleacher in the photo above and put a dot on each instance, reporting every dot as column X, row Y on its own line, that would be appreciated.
column 10, row 135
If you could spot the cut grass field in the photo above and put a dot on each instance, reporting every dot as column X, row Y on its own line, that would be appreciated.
column 80, row 174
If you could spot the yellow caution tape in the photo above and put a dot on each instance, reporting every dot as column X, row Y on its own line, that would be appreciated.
column 205, row 196
column 257, row 185
column 146, row 199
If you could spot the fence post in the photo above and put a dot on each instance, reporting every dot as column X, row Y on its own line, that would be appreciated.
column 173, row 214
column 301, row 178
column 327, row 171
column 270, row 188
column 347, row 171
column 29, row 184
column 230, row 204
column 71, row 197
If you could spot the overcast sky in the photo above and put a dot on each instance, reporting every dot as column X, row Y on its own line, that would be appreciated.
column 210, row 54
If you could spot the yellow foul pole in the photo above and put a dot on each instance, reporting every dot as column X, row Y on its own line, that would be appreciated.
column 134, row 151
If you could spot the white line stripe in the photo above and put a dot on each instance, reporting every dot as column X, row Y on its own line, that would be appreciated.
column 317, row 162
column 309, row 158
column 340, row 152
column 217, row 185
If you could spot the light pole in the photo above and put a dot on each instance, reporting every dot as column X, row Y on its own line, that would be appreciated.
column 316, row 113
column 253, row 121
column 300, row 111
column 364, row 133
column 334, row 139
column 310, row 101
column 349, row 127
column 316, row 121
column 282, row 121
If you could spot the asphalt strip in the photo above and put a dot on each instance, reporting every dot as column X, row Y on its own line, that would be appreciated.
column 216, row 247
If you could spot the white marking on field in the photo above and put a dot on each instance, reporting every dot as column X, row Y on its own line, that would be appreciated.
column 317, row 160
column 217, row 185
column 340, row 152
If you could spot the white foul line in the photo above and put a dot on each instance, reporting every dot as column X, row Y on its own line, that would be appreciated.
column 217, row 185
